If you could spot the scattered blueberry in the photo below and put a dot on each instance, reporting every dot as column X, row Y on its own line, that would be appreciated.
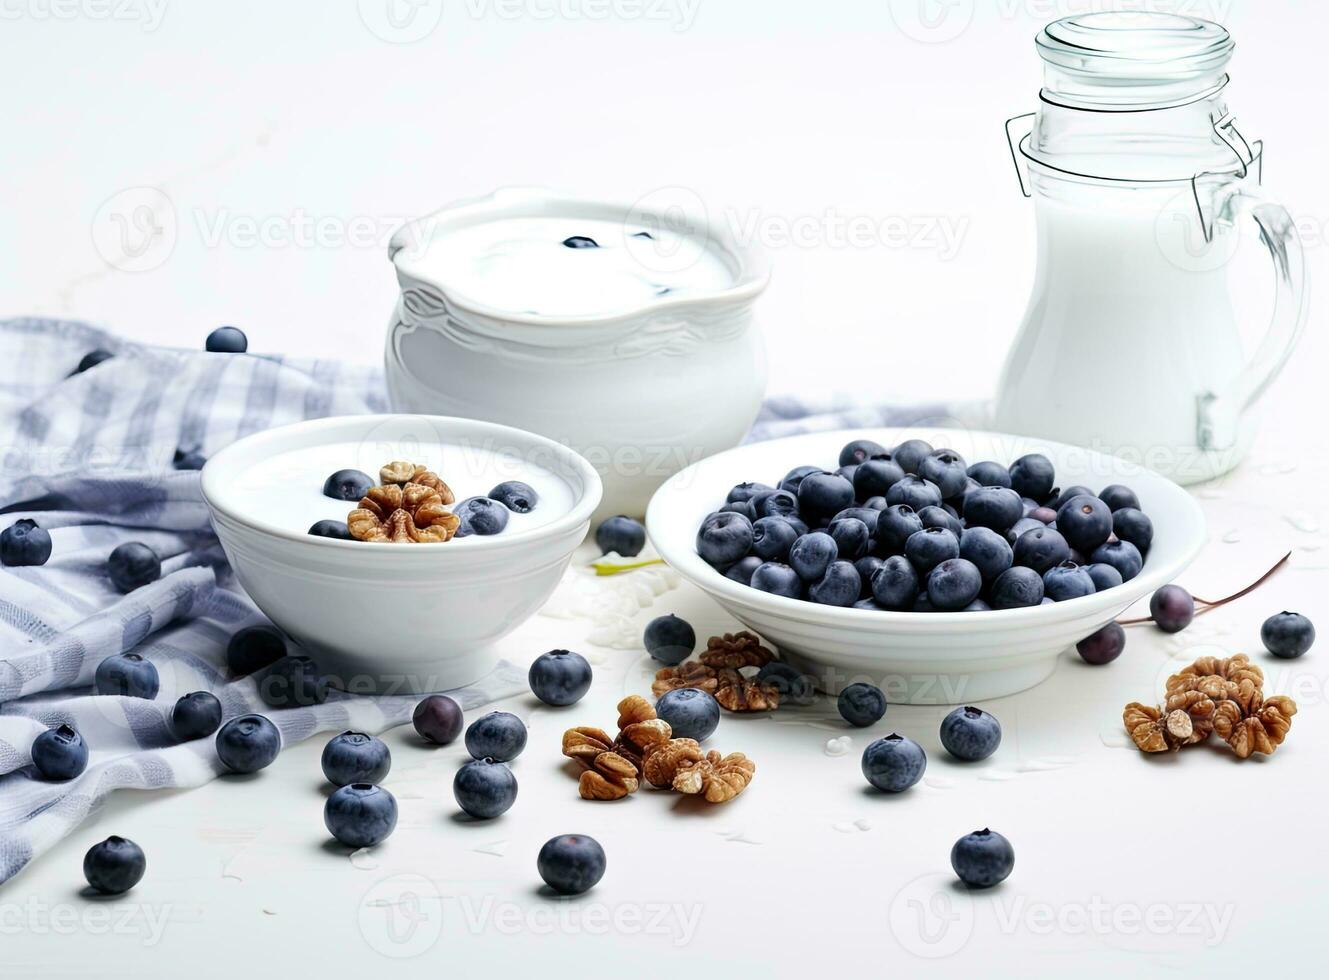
column 330, row 529
column 480, row 515
column 131, row 565
column 253, row 648
column 988, row 550
column 1118, row 498
column 1103, row 646
column 1134, row 526
column 795, row 687
column 954, row 584
column 518, row 497
column 777, row 579
column 812, row 554
column 227, row 340
column 970, row 734
column 248, row 743
column 929, row 547
column 895, row 526
column 859, row 451
column 580, row 241
column 982, row 859
column 1172, row 608
column 1085, row 522
column 621, row 535
column 293, row 682
column 1287, row 635
column 196, row 715
column 875, row 477
column 1016, row 587
column 354, row 757
column 1105, row 576
column 498, row 735
column 193, row 460
column 670, row 639
column 114, row 866
column 360, row 814
column 990, row 474
column 60, row 753
column 560, row 677
column 128, row 675
column 691, row 713
column 911, row 453
column 894, row 763
column 485, row 788
column 1123, row 556
column 914, row 491
column 895, row 584
column 1041, row 548
column 1067, row 581
column 91, row 359
column 723, row 539
column 839, row 586
column 571, row 863
column 24, row 543
column 437, row 719
column 862, row 705
column 347, row 485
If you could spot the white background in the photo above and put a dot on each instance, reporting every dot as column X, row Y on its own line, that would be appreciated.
column 253, row 116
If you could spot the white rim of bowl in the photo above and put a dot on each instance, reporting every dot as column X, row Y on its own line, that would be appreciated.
column 579, row 513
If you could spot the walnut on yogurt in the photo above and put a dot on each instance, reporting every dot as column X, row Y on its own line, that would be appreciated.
column 409, row 506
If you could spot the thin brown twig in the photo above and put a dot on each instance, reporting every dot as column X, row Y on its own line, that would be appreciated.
column 1205, row 604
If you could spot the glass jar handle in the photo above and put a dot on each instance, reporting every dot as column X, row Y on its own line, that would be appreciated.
column 1220, row 412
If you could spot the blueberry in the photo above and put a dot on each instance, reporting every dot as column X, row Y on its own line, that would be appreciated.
column 347, row 485
column 896, row 525
column 1105, row 575
column 1287, row 635
column 1040, row 549
column 812, row 554
column 922, row 604
column 875, row 477
column 248, row 743
column 867, row 567
column 128, row 675
column 1067, row 581
column 1172, row 608
column 795, row 687
column 1123, row 556
column 988, row 551
column 114, row 866
column 1033, row 476
column 742, row 570
column 669, row 639
column 1085, row 522
column 895, row 584
column 990, row 474
column 894, row 763
column 777, row 579
column 498, row 735
column 930, row 547
column 571, row 863
column 946, row 468
column 621, row 535
column 1063, row 497
column 983, row 858
column 868, row 605
column 91, row 359
column 1134, row 526
column 911, row 453
column 914, row 491
column 481, row 515
column 941, row 517
column 994, row 507
column 437, row 719
column 360, row 814
column 331, row 529
column 875, row 503
column 518, row 497
column 354, row 757
column 293, row 682
column 970, row 734
column 822, row 495
column 131, row 565
column 860, row 450
column 774, row 503
column 1118, row 498
column 744, row 492
column 868, row 515
column 691, row 713
column 848, row 472
column 723, row 539
column 862, row 705
column 580, row 241
column 196, row 715
column 193, row 460
column 794, row 478
column 60, row 753
column 24, row 543
column 851, row 537
column 1104, row 646
column 227, row 340
column 560, row 677
column 954, row 584
column 1012, row 533
column 254, row 648
column 978, row 605
column 840, row 586
column 1017, row 586
column 484, row 788
column 738, row 507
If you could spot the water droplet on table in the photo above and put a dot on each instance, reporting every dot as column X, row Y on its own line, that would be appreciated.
column 839, row 746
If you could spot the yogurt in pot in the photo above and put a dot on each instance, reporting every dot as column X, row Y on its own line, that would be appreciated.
column 623, row 331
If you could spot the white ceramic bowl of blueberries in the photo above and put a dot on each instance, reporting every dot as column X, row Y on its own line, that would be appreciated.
column 943, row 566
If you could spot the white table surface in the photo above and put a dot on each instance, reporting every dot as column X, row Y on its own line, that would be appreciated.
column 253, row 114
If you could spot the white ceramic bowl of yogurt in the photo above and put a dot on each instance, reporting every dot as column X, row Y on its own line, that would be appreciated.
column 921, row 658
column 384, row 616
column 638, row 350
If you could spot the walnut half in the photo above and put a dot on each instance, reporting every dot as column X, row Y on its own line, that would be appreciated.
column 413, row 512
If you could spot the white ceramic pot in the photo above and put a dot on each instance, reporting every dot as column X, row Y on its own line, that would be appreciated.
column 921, row 658
column 640, row 392
column 398, row 617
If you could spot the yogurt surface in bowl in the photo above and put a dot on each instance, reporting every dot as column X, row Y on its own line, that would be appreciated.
column 572, row 266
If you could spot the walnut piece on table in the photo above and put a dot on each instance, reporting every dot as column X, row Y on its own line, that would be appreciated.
column 718, row 779
column 690, row 674
column 735, row 650
column 1261, row 730
column 611, row 777
column 735, row 692
column 1154, row 731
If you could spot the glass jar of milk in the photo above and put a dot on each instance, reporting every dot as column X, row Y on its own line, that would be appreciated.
column 1145, row 192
